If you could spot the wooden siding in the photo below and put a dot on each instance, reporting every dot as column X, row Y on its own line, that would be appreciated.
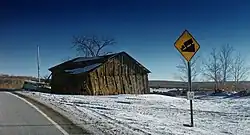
column 119, row 76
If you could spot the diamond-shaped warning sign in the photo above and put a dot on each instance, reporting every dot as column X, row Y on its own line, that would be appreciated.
column 187, row 45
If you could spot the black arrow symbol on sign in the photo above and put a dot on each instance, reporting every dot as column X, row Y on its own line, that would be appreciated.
column 188, row 46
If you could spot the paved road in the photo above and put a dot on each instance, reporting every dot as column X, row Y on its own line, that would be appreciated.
column 19, row 118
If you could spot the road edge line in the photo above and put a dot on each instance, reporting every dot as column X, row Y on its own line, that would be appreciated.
column 37, row 109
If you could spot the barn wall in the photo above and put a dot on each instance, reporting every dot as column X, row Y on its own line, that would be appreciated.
column 113, row 77
column 146, row 84
column 70, row 84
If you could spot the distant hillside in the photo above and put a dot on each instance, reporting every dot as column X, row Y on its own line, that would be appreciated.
column 13, row 82
column 196, row 85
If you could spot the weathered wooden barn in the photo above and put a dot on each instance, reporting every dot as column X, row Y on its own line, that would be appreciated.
column 116, row 73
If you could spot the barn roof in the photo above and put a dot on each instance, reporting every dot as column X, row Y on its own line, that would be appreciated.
column 91, row 63
column 84, row 69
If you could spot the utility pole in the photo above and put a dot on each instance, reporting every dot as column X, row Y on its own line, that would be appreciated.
column 38, row 64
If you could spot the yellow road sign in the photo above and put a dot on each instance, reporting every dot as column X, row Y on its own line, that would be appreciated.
column 187, row 45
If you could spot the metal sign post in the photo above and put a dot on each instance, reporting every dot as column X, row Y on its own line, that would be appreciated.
column 190, row 90
column 188, row 46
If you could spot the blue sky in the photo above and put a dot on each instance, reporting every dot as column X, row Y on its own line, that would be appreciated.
column 145, row 29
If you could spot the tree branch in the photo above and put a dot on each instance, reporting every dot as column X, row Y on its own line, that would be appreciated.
column 239, row 70
column 90, row 46
column 183, row 69
column 104, row 44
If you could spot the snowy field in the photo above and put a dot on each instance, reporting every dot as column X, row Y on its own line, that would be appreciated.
column 155, row 114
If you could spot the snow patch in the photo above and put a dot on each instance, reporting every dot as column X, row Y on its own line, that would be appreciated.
column 84, row 69
column 163, row 89
column 86, row 59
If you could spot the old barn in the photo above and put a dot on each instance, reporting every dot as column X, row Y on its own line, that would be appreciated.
column 117, row 73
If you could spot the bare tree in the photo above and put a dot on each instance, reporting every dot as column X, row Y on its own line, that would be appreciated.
column 91, row 46
column 212, row 67
column 239, row 70
column 183, row 69
column 226, row 61
column 45, row 78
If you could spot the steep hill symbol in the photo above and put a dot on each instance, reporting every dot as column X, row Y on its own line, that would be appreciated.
column 188, row 46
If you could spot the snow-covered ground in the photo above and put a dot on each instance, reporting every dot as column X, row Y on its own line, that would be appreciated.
column 155, row 114
column 162, row 89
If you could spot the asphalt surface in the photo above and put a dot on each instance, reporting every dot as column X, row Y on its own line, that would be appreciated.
column 19, row 118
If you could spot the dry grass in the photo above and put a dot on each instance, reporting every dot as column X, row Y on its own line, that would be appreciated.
column 13, row 82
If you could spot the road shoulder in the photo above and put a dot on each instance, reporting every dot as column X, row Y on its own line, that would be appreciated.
column 70, row 127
